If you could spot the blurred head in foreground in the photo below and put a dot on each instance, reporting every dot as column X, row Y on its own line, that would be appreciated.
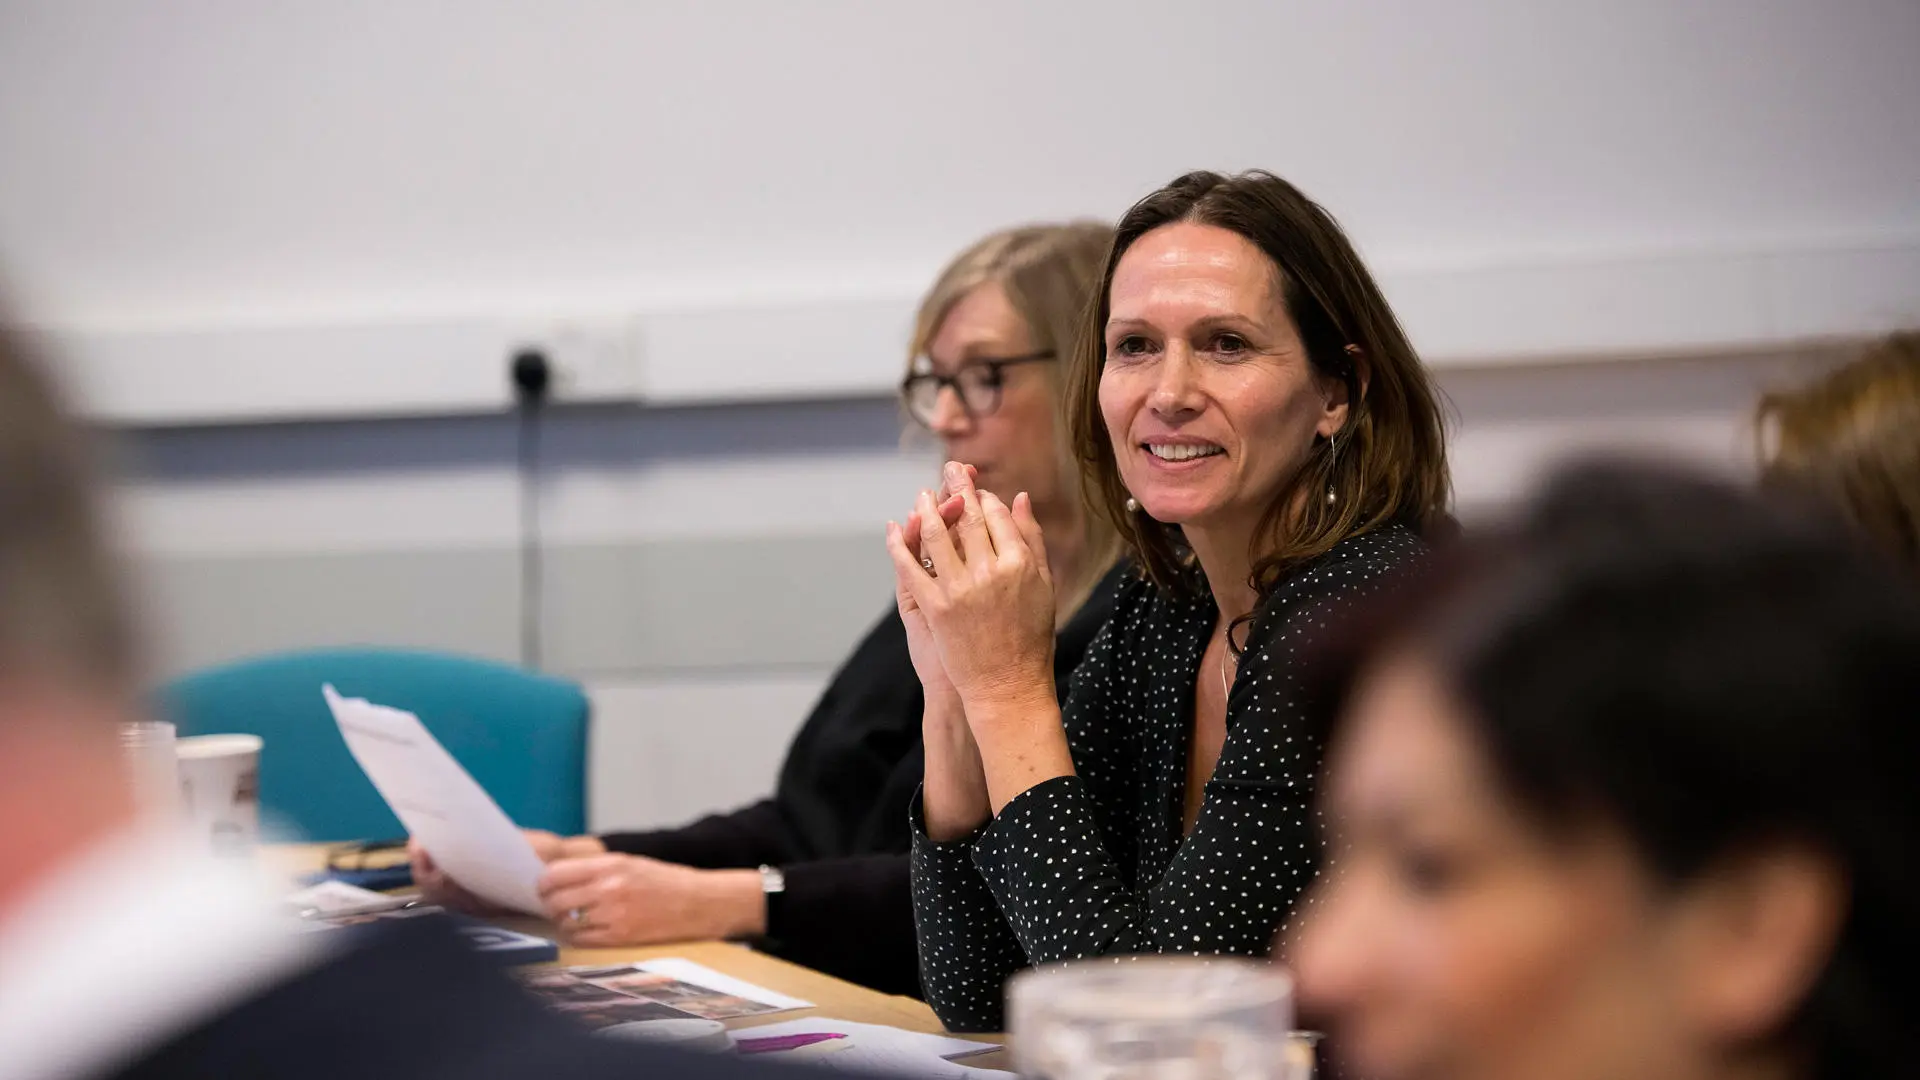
column 68, row 666
column 1626, row 790
column 206, row 979
column 1852, row 440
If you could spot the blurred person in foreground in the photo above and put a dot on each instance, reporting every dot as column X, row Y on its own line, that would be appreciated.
column 983, row 376
column 126, row 953
column 1625, row 791
column 1852, row 439
column 1262, row 434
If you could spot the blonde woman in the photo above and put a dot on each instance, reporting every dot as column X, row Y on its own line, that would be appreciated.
column 1852, row 440
column 818, row 872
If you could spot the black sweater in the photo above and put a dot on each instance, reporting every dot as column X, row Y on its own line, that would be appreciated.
column 837, row 825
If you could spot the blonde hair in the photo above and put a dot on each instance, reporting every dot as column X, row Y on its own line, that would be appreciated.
column 1852, row 440
column 1049, row 273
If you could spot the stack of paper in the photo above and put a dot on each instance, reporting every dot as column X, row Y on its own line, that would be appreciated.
column 690, row 988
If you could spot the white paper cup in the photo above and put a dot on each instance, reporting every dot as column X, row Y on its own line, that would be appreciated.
column 220, row 790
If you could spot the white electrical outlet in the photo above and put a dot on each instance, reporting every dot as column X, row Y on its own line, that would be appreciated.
column 591, row 360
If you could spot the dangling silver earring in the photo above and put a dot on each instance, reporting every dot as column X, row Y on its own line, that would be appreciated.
column 1333, row 459
column 1133, row 505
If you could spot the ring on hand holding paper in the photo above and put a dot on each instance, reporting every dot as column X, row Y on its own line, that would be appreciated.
column 576, row 915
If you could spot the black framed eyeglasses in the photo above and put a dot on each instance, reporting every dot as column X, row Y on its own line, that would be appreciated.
column 978, row 382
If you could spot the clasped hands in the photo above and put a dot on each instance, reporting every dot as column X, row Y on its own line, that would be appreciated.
column 976, row 595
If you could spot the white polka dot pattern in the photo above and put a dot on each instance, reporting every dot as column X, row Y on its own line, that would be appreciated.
column 1095, row 864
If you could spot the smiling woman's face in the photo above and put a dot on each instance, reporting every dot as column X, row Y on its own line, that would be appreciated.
column 1207, row 392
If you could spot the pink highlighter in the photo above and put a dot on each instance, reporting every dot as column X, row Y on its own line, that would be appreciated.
column 776, row 1043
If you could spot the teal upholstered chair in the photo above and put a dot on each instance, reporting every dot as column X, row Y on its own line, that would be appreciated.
column 522, row 735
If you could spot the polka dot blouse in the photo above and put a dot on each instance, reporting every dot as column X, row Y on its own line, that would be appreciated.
column 1095, row 864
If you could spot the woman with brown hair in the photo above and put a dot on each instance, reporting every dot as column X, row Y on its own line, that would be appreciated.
column 818, row 872
column 1852, row 440
column 1254, row 423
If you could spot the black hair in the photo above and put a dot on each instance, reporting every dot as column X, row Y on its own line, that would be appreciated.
column 1706, row 670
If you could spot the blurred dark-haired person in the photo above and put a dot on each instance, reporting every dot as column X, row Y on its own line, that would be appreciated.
column 124, row 954
column 1626, row 790
column 1852, row 439
column 1264, row 439
column 818, row 873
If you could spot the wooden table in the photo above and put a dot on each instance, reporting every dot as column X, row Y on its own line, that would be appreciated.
column 832, row 997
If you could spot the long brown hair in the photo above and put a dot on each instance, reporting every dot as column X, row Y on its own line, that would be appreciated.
column 1852, row 440
column 1048, row 272
column 1388, row 461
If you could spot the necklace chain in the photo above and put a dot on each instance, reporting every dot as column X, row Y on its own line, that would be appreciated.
column 1226, row 650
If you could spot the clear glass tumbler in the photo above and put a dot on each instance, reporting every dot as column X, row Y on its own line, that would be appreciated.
column 1157, row 1018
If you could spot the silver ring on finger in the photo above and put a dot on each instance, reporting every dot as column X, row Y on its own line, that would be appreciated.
column 576, row 916
column 927, row 565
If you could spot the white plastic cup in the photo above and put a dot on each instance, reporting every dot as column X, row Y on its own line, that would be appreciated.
column 220, row 790
column 1154, row 1018
column 152, row 770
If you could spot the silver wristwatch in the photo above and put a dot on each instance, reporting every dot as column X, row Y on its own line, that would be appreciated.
column 772, row 880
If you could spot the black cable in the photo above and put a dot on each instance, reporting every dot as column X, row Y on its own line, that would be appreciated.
column 530, row 599
column 531, row 377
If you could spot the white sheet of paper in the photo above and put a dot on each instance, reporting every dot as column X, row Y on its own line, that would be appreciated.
column 453, row 817
column 700, row 975
column 329, row 897
column 878, row 1048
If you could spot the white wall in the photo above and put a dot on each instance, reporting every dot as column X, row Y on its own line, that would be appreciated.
column 403, row 189
column 222, row 159
column 671, row 744
column 229, row 210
